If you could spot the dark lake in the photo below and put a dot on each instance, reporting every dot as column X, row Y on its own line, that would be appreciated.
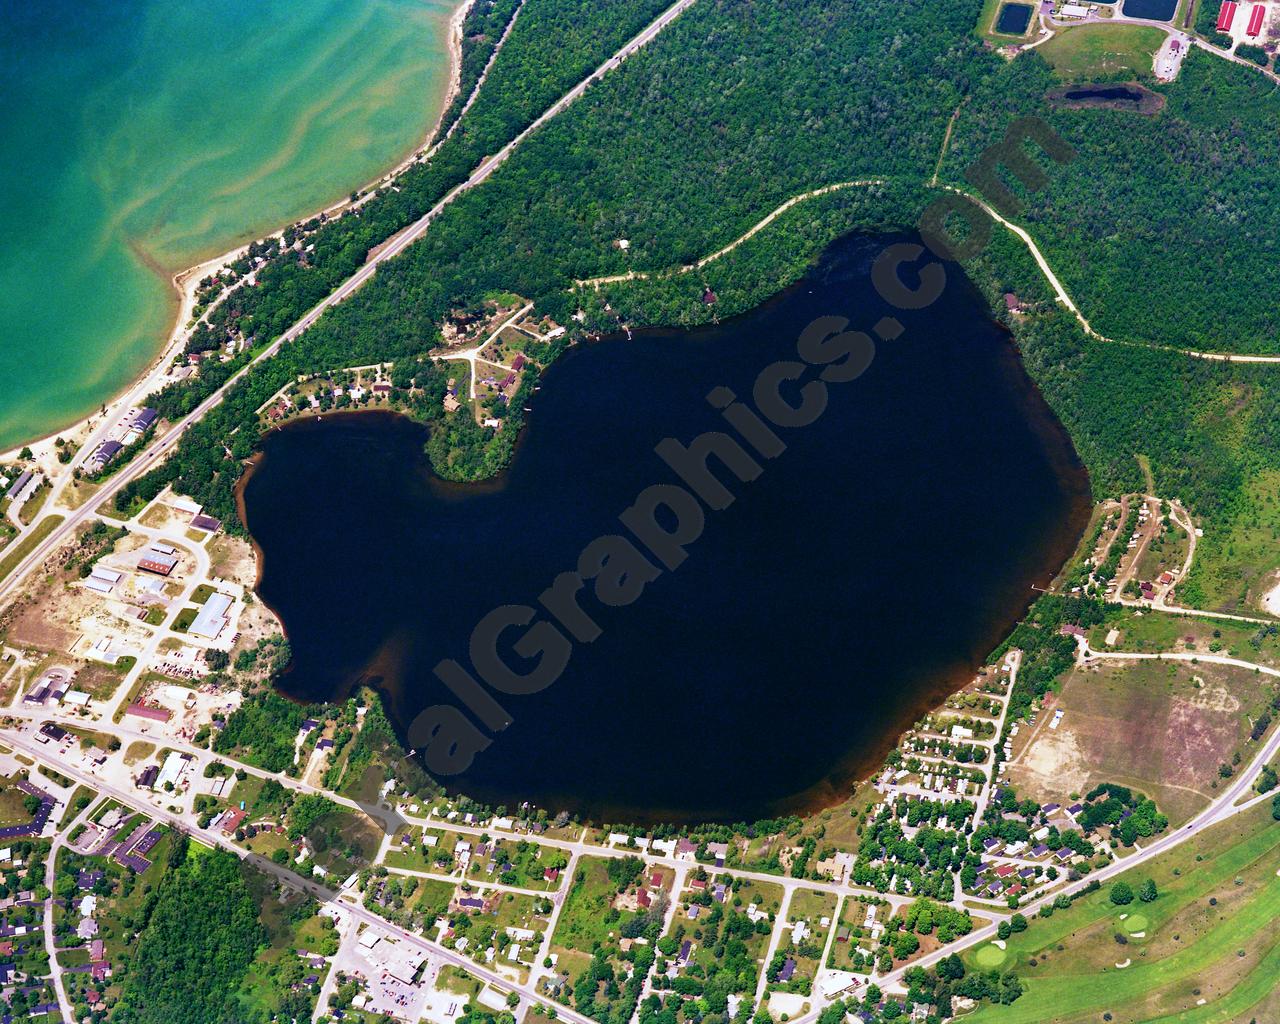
column 1156, row 10
column 1110, row 92
column 1014, row 19
column 860, row 578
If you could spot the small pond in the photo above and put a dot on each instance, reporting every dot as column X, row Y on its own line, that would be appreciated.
column 1014, row 19
column 1155, row 10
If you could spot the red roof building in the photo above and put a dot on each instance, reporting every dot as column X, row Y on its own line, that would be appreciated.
column 231, row 821
column 155, row 714
column 1226, row 15
column 1256, row 17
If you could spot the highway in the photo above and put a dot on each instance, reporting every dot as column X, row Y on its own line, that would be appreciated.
column 165, row 443
column 1220, row 810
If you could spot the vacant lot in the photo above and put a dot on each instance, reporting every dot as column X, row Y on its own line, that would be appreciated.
column 1161, row 727
column 587, row 919
column 1208, row 949
column 1103, row 52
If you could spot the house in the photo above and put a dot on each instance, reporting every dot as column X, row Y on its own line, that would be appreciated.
column 686, row 953
column 24, row 478
column 686, row 849
column 143, row 418
column 1004, row 870
column 231, row 820
column 642, row 898
column 1063, row 855
column 206, row 523
column 788, row 969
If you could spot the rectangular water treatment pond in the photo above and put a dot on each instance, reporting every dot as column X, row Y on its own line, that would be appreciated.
column 1156, row 10
column 1014, row 19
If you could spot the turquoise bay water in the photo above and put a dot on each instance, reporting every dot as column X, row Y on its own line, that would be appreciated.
column 140, row 138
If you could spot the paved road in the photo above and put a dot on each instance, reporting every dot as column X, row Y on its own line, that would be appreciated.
column 1220, row 810
column 165, row 444
column 320, row 892
column 50, row 876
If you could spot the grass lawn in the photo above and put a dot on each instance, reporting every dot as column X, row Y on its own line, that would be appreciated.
column 1090, row 52
column 138, row 751
column 12, row 809
column 433, row 898
column 15, row 553
column 80, row 799
column 1153, row 633
column 989, row 956
column 184, row 619
column 1236, row 560
column 1210, row 936
column 585, row 921
column 32, row 506
column 202, row 593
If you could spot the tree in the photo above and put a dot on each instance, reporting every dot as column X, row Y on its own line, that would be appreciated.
column 951, row 968
column 1121, row 894
column 1148, row 892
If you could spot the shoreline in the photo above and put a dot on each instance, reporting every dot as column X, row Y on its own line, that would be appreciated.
column 185, row 281
column 850, row 771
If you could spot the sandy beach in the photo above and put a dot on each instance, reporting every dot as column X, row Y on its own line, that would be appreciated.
column 186, row 282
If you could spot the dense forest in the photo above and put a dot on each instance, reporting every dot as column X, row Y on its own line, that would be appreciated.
column 482, row 30
column 1163, row 227
column 201, row 934
column 1157, row 223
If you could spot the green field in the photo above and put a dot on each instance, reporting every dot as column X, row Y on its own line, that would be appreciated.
column 1092, row 52
column 1237, row 558
column 586, row 920
column 1211, row 950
